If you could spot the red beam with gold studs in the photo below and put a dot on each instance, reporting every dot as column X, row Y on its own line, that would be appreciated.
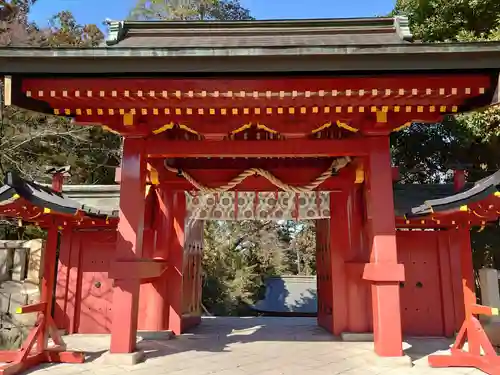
column 351, row 89
column 136, row 103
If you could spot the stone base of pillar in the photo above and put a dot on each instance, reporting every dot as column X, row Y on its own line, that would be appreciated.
column 126, row 359
column 156, row 335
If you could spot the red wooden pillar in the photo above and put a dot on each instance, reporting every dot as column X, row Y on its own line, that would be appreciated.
column 129, row 245
column 358, row 297
column 151, row 299
column 62, row 280
column 176, row 264
column 468, row 284
column 324, row 275
column 48, row 280
column 49, row 264
column 324, row 298
column 383, row 270
column 339, row 245
column 157, row 303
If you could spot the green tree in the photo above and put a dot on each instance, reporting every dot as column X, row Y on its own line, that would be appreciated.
column 65, row 31
column 441, row 20
column 237, row 258
column 31, row 141
column 425, row 153
column 299, row 242
column 189, row 10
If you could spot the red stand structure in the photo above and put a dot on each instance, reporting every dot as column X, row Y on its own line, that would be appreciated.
column 35, row 349
column 480, row 354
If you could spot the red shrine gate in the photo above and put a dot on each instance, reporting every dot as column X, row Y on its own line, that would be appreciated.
column 83, row 303
column 84, row 299
column 254, row 93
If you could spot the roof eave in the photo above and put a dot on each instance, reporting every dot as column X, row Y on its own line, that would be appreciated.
column 355, row 58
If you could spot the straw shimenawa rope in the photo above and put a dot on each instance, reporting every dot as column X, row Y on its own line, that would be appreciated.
column 336, row 165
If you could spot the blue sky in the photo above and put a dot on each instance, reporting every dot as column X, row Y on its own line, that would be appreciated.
column 95, row 11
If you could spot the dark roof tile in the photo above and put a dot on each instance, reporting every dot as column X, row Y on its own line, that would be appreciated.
column 45, row 197
column 422, row 200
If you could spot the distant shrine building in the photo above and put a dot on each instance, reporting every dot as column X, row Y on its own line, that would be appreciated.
column 257, row 120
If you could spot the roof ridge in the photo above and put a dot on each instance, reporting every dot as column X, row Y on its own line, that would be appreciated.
column 118, row 30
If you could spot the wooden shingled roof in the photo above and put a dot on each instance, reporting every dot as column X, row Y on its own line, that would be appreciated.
column 44, row 200
column 473, row 193
column 184, row 48
column 270, row 33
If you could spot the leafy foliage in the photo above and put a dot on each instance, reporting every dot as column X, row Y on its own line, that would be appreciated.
column 471, row 141
column 238, row 256
column 31, row 141
column 189, row 10
column 65, row 31
column 441, row 20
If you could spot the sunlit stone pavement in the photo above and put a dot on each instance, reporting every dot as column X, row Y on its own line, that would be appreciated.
column 263, row 346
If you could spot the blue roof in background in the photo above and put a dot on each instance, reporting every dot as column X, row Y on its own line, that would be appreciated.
column 289, row 295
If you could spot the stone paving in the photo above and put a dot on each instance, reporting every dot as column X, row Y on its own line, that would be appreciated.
column 244, row 346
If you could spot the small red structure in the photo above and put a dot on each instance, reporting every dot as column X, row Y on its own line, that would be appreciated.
column 22, row 201
column 204, row 106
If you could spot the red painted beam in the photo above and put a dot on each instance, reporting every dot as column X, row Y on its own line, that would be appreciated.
column 219, row 126
column 194, row 104
column 8, row 355
column 36, row 307
column 382, row 272
column 484, row 310
column 160, row 148
column 292, row 176
column 136, row 269
column 242, row 164
column 312, row 83
column 222, row 125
